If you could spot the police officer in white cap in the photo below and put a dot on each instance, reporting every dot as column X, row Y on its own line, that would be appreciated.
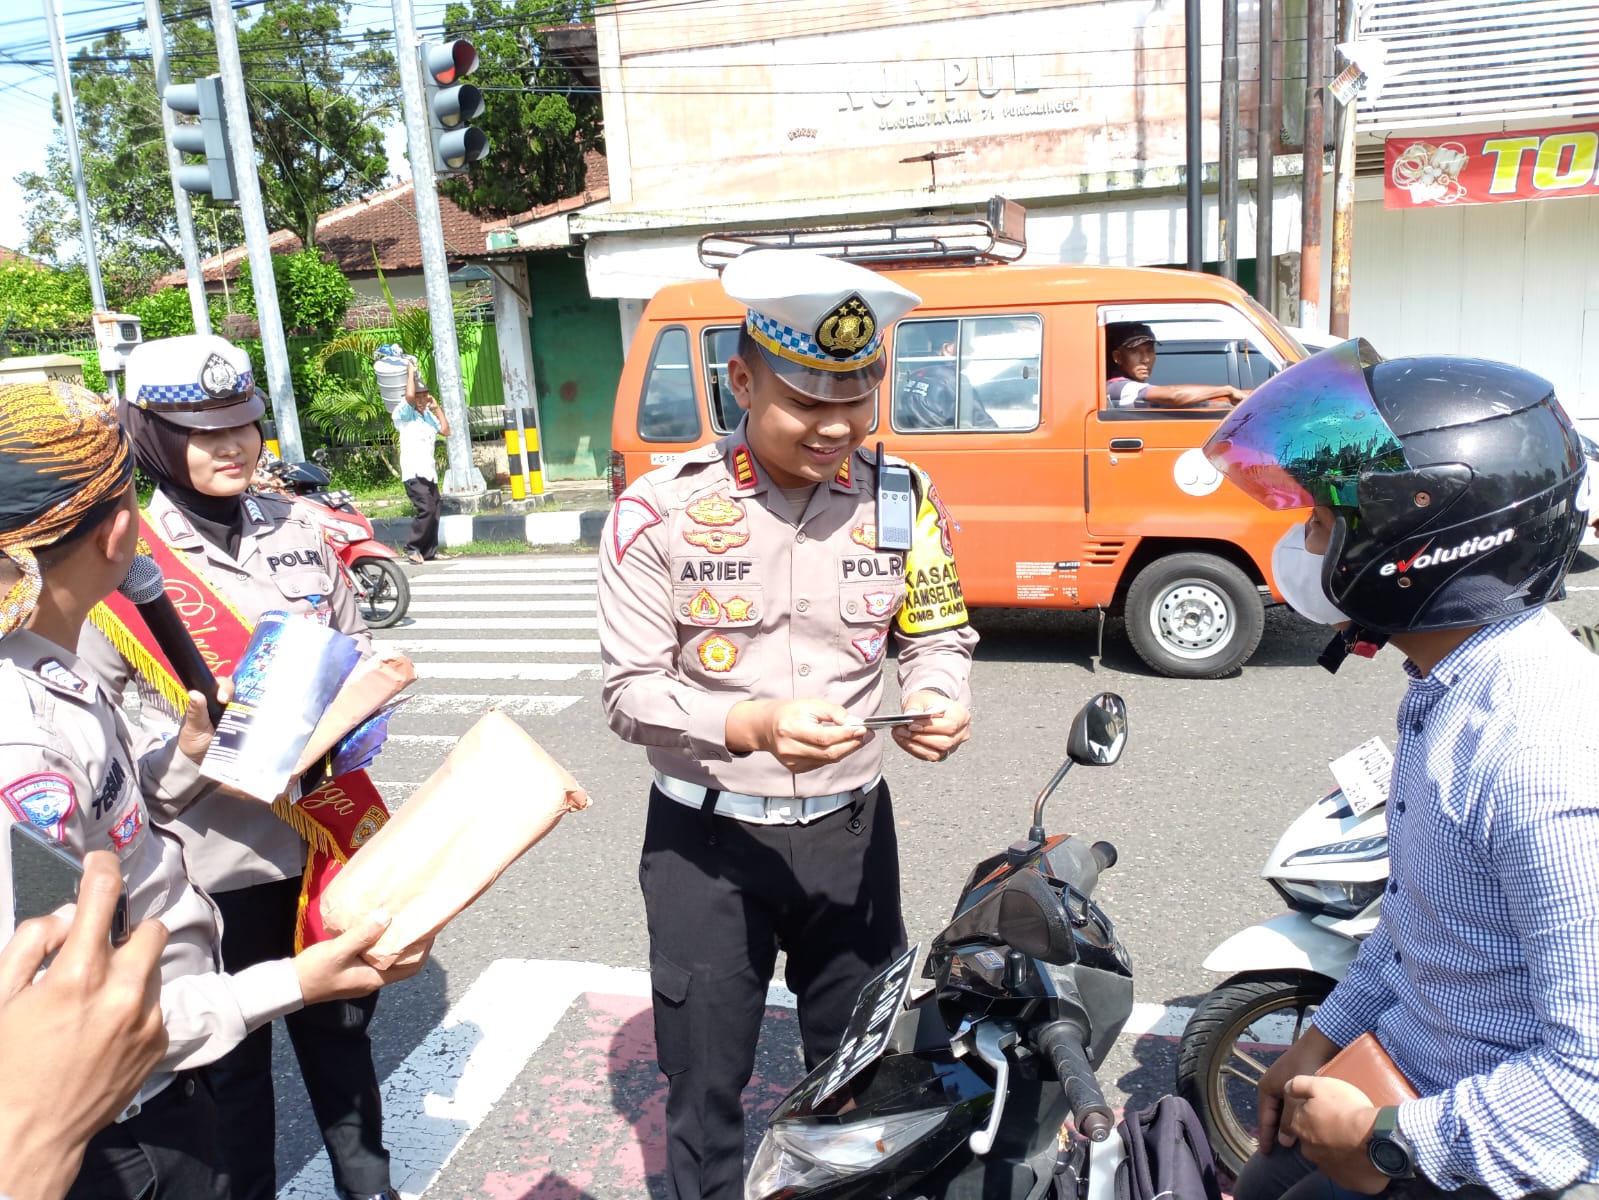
column 194, row 413
column 747, row 595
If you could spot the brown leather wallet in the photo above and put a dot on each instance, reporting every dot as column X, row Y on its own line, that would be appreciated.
column 1366, row 1064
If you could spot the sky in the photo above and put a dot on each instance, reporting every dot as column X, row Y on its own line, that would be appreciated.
column 26, row 91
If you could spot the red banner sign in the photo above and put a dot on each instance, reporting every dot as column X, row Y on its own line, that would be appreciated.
column 1490, row 168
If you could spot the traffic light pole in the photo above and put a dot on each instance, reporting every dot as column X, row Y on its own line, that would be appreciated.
column 69, row 126
column 256, row 238
column 461, row 477
column 180, row 198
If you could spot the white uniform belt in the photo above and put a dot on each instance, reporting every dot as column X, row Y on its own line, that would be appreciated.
column 762, row 810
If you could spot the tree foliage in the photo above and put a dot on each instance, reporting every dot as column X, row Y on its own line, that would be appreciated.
column 538, row 131
column 313, row 294
column 43, row 298
column 317, row 98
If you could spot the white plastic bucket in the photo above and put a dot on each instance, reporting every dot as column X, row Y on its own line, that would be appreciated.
column 392, row 374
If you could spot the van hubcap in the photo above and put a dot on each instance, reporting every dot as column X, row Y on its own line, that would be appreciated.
column 1192, row 619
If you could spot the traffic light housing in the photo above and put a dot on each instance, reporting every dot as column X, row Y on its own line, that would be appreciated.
column 452, row 105
column 218, row 178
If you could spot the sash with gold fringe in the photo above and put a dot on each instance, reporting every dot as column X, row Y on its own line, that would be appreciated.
column 340, row 815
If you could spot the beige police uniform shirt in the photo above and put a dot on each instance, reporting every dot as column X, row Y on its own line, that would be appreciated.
column 71, row 764
column 710, row 593
column 284, row 563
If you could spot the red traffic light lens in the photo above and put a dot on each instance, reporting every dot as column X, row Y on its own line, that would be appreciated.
column 447, row 62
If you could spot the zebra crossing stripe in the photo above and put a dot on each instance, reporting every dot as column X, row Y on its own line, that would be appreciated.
column 501, row 670
column 440, row 624
column 516, row 606
column 495, row 645
column 446, row 587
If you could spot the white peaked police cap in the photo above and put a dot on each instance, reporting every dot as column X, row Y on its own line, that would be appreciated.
column 198, row 381
column 818, row 321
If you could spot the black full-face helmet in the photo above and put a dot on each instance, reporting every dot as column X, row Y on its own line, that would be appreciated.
column 1459, row 485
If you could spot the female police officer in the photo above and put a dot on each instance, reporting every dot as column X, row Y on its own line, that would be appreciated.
column 745, row 605
column 194, row 415
column 70, row 768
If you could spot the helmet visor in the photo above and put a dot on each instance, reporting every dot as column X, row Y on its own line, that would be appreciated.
column 1305, row 437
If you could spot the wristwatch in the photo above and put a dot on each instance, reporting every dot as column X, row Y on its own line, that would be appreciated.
column 1389, row 1149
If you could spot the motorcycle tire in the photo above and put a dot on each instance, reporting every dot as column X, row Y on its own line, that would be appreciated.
column 388, row 592
column 1216, row 1077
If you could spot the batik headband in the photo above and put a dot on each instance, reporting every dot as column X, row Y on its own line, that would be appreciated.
column 62, row 454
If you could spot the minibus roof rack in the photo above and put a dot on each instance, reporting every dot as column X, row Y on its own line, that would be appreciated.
column 1001, row 237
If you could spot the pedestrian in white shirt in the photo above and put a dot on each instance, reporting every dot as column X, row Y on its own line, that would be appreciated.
column 419, row 421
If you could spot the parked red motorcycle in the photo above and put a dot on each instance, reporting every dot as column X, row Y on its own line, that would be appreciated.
column 381, row 590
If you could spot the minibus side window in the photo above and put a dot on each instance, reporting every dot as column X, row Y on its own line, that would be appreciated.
column 670, row 411
column 967, row 374
column 720, row 344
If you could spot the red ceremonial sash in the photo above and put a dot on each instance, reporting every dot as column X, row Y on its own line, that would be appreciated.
column 339, row 816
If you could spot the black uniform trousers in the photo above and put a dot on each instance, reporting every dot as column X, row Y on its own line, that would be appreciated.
column 424, row 497
column 170, row 1151
column 335, row 1055
column 722, row 897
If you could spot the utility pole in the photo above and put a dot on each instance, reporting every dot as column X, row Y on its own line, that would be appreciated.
column 1227, row 197
column 1196, row 140
column 460, row 477
column 69, row 125
column 256, row 238
column 180, row 198
column 1343, row 191
column 1313, row 156
column 1265, row 164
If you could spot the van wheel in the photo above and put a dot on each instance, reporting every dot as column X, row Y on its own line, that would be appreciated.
column 1194, row 616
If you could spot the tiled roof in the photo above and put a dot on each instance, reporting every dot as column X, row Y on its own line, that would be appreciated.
column 8, row 255
column 596, row 187
column 387, row 220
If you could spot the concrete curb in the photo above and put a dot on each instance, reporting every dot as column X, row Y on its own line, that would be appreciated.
column 536, row 529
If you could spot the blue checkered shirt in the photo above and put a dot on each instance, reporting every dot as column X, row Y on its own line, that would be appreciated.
column 1482, row 979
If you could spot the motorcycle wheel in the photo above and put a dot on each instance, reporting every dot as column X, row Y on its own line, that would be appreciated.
column 383, row 593
column 1235, row 1034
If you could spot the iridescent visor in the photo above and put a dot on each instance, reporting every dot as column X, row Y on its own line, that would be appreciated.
column 1305, row 436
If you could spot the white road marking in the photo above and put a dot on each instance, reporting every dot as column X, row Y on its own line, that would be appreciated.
column 449, row 588
column 423, row 624
column 450, row 606
column 495, row 645
column 507, row 577
column 430, row 739
column 504, row 607
column 528, row 563
column 522, row 670
column 451, row 1082
column 1587, row 587
column 502, row 589
column 429, row 704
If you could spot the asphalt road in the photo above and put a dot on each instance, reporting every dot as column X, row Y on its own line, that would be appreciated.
column 515, row 1070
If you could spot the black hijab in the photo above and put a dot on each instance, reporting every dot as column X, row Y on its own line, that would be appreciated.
column 162, row 451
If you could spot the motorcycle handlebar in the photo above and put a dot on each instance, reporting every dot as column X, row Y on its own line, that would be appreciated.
column 1063, row 1041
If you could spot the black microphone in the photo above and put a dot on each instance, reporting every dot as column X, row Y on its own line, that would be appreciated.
column 146, row 589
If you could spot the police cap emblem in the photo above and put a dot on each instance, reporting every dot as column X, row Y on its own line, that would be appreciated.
column 218, row 377
column 847, row 328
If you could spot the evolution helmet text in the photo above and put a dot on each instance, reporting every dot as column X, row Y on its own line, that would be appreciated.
column 1466, row 549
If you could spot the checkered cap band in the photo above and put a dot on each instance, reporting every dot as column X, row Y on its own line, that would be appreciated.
column 799, row 347
column 191, row 397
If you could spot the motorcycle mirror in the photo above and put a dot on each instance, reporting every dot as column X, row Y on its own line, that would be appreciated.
column 1099, row 731
column 1033, row 921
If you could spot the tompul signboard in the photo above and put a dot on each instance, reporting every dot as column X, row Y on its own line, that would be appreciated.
column 1491, row 168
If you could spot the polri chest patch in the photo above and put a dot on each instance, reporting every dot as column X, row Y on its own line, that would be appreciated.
column 870, row 647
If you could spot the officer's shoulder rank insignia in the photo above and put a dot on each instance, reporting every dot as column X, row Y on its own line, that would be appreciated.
column 847, row 329
column 843, row 476
column 715, row 509
column 53, row 670
column 252, row 509
column 717, row 654
column 744, row 469
column 633, row 517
